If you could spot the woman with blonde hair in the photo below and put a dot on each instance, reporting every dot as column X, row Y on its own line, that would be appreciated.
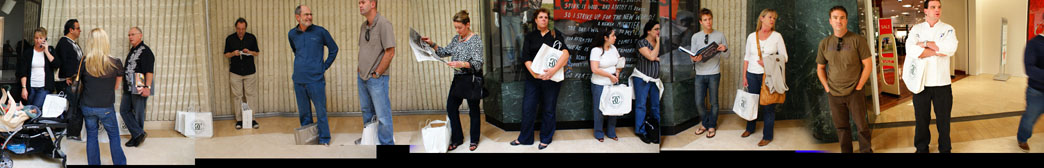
column 35, row 66
column 765, row 42
column 101, row 75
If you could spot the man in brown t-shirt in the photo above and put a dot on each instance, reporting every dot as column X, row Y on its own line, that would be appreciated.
column 376, row 50
column 848, row 57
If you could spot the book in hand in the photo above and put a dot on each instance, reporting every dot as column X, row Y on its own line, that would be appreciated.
column 708, row 52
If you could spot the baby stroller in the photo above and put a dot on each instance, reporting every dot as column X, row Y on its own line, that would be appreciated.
column 22, row 135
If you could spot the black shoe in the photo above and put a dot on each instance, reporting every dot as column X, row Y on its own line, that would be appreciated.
column 239, row 125
column 142, row 139
column 132, row 142
column 255, row 126
column 645, row 140
column 542, row 146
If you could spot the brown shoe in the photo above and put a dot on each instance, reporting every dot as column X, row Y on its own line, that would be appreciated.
column 764, row 142
column 1024, row 146
column 746, row 134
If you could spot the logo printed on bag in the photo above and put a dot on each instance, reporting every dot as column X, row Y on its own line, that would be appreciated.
column 615, row 100
column 551, row 61
column 197, row 126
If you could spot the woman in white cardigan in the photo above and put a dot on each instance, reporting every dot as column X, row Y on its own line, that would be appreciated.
column 771, row 45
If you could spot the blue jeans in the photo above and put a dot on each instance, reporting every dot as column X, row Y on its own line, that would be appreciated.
column 37, row 96
column 132, row 109
column 107, row 116
column 645, row 93
column 542, row 94
column 754, row 82
column 313, row 94
column 373, row 95
column 707, row 86
column 1033, row 110
column 596, row 94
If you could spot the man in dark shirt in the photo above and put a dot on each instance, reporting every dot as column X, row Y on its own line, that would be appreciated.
column 70, row 54
column 139, row 68
column 240, row 49
column 1034, row 62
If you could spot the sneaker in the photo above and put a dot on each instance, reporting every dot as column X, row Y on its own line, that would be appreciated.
column 255, row 126
column 239, row 125
column 75, row 138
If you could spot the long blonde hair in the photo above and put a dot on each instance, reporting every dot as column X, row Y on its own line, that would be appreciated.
column 763, row 13
column 96, row 61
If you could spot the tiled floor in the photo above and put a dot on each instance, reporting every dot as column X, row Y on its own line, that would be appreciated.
column 496, row 140
column 974, row 95
column 275, row 139
column 176, row 150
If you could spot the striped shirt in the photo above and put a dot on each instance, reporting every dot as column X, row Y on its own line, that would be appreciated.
column 650, row 68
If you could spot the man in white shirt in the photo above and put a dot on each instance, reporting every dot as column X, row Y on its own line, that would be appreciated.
column 930, row 45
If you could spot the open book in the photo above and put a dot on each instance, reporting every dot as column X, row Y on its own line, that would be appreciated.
column 708, row 52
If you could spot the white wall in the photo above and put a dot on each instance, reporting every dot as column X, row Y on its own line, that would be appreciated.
column 955, row 13
column 985, row 44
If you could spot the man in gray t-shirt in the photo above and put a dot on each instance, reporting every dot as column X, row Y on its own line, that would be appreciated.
column 708, row 73
column 376, row 50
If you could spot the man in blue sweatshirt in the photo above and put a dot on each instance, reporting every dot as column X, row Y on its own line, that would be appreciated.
column 307, row 41
column 1034, row 60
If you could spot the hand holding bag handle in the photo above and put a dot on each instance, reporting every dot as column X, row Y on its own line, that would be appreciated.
column 767, row 97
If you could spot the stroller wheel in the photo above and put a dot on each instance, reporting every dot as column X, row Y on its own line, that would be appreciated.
column 5, row 160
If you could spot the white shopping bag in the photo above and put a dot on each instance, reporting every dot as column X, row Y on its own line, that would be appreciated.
column 436, row 135
column 746, row 105
column 248, row 116
column 54, row 105
column 307, row 135
column 202, row 125
column 122, row 125
column 369, row 135
column 547, row 58
column 179, row 121
column 616, row 100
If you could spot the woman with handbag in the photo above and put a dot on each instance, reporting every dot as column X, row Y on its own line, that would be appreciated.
column 764, row 43
column 540, row 90
column 101, row 75
column 35, row 66
column 604, row 73
column 466, row 52
column 646, row 80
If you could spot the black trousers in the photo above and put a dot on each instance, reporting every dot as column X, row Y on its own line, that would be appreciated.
column 453, row 111
column 941, row 98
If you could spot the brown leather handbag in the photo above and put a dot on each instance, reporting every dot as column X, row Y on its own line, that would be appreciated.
column 767, row 97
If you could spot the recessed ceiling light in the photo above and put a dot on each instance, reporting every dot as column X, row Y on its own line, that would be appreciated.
column 907, row 6
column 906, row 13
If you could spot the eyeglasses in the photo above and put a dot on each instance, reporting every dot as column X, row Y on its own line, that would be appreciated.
column 840, row 43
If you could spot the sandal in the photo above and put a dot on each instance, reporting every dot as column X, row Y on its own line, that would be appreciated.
column 473, row 146
column 451, row 147
column 711, row 132
column 701, row 130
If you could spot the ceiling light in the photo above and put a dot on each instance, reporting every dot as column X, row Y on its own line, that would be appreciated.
column 907, row 6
